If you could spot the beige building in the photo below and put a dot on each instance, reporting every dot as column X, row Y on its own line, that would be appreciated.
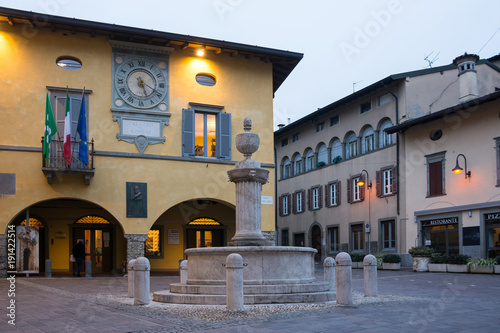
column 322, row 157
column 161, row 112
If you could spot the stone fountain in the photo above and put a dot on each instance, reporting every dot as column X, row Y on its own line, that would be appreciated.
column 272, row 274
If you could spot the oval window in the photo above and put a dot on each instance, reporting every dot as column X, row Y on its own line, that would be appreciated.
column 205, row 79
column 68, row 62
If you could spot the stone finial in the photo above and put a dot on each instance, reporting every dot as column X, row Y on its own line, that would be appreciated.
column 247, row 124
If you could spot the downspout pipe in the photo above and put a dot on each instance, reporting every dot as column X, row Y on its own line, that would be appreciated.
column 397, row 144
column 276, row 197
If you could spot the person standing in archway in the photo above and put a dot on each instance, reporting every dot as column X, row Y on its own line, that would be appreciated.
column 79, row 254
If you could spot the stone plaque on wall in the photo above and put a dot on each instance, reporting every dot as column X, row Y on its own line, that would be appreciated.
column 7, row 183
column 137, row 199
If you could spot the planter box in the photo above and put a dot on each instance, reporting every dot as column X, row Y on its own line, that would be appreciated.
column 437, row 268
column 497, row 269
column 357, row 264
column 421, row 264
column 391, row 266
column 482, row 269
column 457, row 268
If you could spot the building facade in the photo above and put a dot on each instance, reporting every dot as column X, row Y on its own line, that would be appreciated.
column 160, row 112
column 322, row 157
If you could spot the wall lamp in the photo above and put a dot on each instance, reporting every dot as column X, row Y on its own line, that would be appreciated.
column 458, row 169
column 200, row 52
column 361, row 181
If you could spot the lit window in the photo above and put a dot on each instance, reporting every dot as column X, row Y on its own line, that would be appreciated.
column 205, row 134
column 153, row 243
column 387, row 182
column 33, row 223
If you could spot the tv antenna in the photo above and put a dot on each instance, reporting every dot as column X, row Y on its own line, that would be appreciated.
column 433, row 59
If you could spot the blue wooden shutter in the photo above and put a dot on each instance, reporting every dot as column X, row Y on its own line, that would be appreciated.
column 225, row 136
column 188, row 132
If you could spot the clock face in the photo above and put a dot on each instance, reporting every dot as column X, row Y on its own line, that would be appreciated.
column 140, row 83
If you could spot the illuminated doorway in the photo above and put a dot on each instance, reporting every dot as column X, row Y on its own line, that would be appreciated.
column 205, row 232
column 97, row 234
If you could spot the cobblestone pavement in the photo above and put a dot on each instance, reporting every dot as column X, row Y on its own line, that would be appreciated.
column 407, row 302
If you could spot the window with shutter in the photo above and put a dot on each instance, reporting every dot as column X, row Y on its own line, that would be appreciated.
column 435, row 174
column 206, row 132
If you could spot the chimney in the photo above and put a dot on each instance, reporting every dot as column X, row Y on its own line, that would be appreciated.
column 281, row 126
column 467, row 76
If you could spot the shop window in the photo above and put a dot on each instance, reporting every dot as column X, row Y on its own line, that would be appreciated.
column 368, row 140
column 386, row 180
column 385, row 139
column 206, row 132
column 309, row 160
column 352, row 146
column 284, row 237
column 355, row 193
column 297, row 165
column 284, row 204
column 435, row 174
column 333, row 239
column 298, row 202
column 315, row 195
column 332, row 194
column 441, row 235
column 153, row 247
column 388, row 234
column 357, row 237
column 204, row 232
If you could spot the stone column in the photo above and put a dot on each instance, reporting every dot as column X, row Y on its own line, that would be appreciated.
column 343, row 269
column 141, row 281
column 48, row 268
column 370, row 276
column 249, row 178
column 329, row 272
column 3, row 255
column 234, row 282
column 135, row 245
column 184, row 271
column 130, row 277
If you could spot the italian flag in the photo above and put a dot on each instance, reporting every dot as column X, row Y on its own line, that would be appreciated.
column 67, row 132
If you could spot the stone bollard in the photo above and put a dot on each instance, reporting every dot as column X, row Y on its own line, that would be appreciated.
column 329, row 272
column 141, row 281
column 234, row 281
column 184, row 271
column 343, row 270
column 48, row 268
column 88, row 268
column 131, row 275
column 370, row 276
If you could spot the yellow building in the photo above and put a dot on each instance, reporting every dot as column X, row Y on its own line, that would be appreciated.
column 160, row 119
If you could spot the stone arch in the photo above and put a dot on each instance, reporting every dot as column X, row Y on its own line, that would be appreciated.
column 316, row 240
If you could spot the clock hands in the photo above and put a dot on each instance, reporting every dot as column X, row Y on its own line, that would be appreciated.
column 141, row 83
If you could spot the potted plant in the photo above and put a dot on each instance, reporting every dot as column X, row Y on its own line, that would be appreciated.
column 458, row 263
column 379, row 261
column 421, row 257
column 391, row 262
column 321, row 164
column 497, row 265
column 357, row 260
column 438, row 262
column 480, row 265
column 337, row 159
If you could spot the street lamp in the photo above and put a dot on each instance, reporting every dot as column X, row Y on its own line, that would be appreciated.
column 369, row 185
column 458, row 169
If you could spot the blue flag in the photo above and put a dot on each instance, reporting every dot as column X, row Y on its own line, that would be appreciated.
column 83, row 154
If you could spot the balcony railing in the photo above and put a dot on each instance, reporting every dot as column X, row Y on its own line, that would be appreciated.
column 57, row 164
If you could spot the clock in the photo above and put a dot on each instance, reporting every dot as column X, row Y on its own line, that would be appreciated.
column 141, row 83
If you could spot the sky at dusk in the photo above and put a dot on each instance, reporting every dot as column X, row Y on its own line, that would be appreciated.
column 346, row 44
